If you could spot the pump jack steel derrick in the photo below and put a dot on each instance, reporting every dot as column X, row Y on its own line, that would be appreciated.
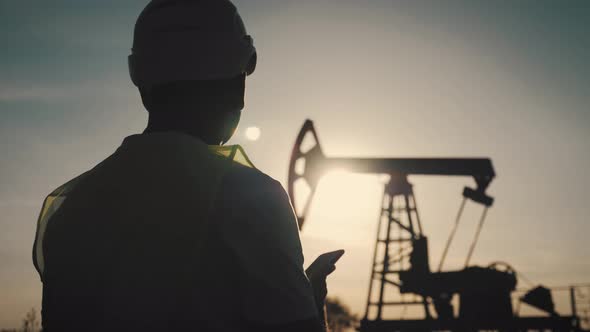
column 401, row 266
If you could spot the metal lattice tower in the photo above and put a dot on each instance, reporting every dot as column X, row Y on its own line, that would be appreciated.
column 398, row 231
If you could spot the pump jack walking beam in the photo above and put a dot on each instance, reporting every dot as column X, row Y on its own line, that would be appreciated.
column 316, row 164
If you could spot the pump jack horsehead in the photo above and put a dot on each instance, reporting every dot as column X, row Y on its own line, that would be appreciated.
column 401, row 268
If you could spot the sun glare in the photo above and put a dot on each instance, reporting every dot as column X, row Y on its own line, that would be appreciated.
column 345, row 204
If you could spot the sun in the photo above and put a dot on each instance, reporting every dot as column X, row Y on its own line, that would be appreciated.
column 252, row 133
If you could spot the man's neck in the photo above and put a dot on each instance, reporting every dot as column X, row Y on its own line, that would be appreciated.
column 165, row 124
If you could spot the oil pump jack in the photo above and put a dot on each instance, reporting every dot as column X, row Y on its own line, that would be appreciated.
column 401, row 265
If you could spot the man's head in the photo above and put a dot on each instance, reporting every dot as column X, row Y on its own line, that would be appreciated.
column 209, row 110
column 189, row 61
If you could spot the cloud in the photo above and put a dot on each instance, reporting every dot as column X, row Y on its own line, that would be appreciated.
column 43, row 93
column 111, row 88
column 20, row 202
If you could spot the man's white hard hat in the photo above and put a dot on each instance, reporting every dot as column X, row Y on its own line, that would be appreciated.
column 180, row 40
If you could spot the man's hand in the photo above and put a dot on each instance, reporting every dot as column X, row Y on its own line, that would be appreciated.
column 317, row 273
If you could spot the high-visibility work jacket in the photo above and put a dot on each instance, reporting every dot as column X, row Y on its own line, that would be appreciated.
column 169, row 233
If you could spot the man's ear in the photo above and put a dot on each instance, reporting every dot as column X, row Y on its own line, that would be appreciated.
column 145, row 98
column 241, row 91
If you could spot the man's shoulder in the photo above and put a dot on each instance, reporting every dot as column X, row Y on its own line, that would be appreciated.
column 251, row 189
column 244, row 179
column 251, row 198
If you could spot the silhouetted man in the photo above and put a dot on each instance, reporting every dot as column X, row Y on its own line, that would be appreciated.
column 174, row 231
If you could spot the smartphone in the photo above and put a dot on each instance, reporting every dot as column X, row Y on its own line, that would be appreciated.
column 329, row 258
column 324, row 264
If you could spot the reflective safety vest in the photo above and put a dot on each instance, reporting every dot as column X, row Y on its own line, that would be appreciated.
column 170, row 234
column 214, row 172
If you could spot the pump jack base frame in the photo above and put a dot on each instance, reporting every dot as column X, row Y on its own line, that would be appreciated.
column 560, row 323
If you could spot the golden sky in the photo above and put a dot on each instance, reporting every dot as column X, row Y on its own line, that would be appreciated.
column 502, row 80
